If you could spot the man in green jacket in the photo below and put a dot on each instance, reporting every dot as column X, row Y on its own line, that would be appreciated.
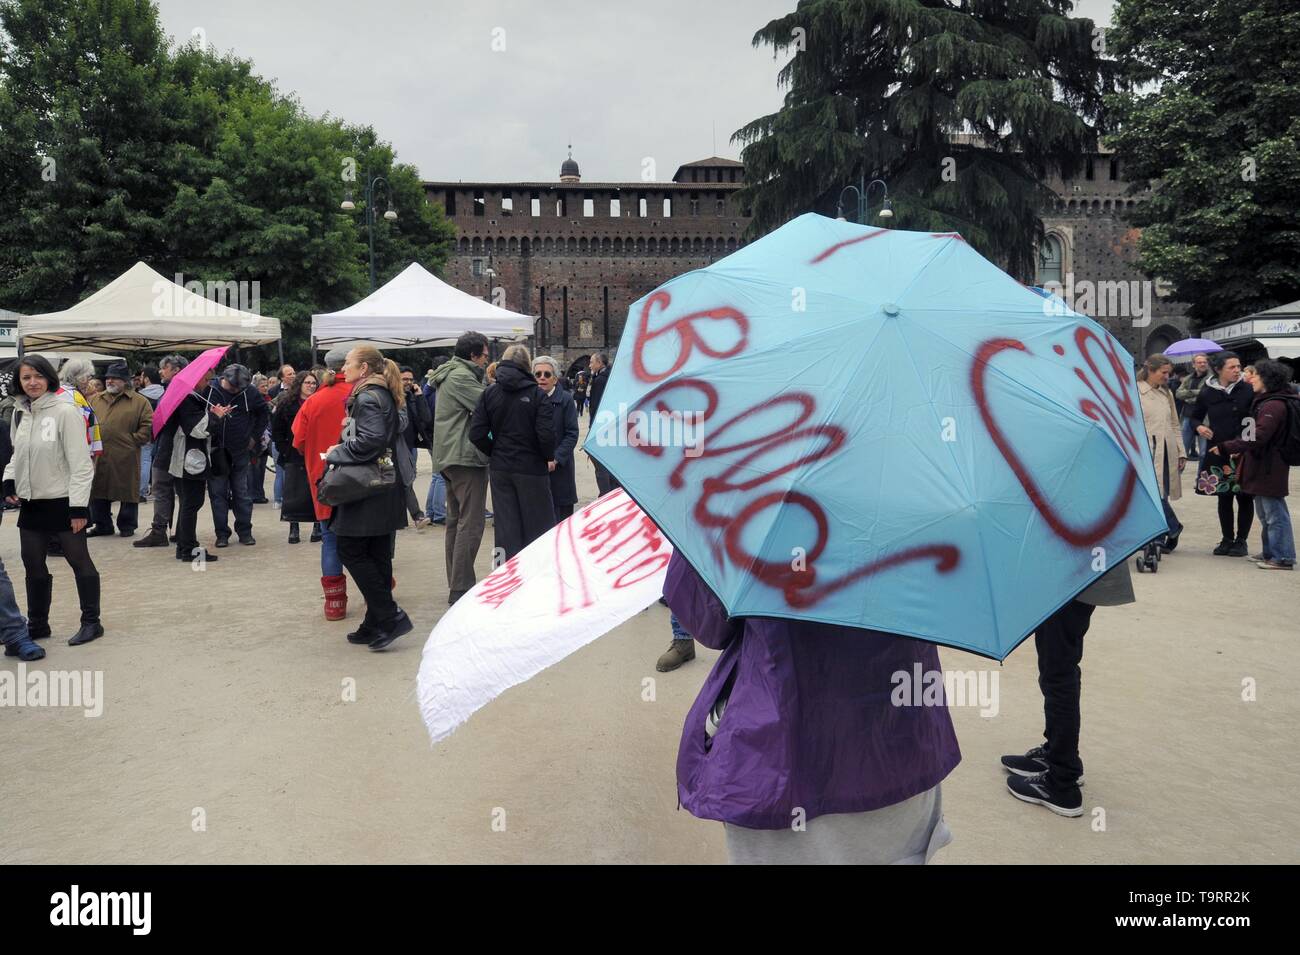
column 464, row 467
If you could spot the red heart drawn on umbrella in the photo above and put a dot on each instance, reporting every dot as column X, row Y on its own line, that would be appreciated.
column 1095, row 532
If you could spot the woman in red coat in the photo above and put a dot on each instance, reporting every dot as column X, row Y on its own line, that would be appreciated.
column 315, row 430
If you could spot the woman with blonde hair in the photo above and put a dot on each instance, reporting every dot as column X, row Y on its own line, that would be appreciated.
column 1164, row 436
column 373, row 429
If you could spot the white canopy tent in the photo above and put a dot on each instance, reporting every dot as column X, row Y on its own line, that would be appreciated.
column 416, row 309
column 142, row 310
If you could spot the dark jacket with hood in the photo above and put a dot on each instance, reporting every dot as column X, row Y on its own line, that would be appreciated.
column 596, row 390
column 241, row 430
column 1262, row 469
column 512, row 423
column 377, row 424
column 282, row 428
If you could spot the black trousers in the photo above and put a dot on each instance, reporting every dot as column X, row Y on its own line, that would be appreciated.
column 604, row 480
column 521, row 510
column 1245, row 515
column 370, row 562
column 563, row 512
column 190, row 493
column 128, row 514
column 1059, row 640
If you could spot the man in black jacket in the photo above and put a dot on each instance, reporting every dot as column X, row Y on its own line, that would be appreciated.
column 600, row 377
column 161, row 484
column 513, row 426
column 238, row 434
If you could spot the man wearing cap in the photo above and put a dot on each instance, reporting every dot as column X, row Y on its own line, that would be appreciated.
column 233, row 443
column 126, row 425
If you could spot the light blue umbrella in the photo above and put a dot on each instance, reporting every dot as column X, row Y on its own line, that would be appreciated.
column 880, row 429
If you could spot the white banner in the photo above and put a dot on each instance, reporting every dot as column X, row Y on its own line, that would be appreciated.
column 577, row 582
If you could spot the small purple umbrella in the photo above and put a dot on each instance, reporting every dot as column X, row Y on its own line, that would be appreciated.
column 1191, row 346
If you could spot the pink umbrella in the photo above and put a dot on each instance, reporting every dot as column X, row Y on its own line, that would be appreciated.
column 184, row 382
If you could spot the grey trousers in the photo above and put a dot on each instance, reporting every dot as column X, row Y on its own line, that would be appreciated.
column 164, row 498
column 466, row 501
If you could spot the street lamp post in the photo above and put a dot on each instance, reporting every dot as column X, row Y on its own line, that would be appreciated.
column 863, row 193
column 390, row 214
column 489, row 273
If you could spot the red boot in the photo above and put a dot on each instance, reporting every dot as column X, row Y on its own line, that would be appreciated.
column 336, row 597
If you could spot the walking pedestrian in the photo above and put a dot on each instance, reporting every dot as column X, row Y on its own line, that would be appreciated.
column 234, row 441
column 596, row 390
column 564, row 422
column 126, row 426
column 795, row 744
column 189, row 435
column 1187, row 391
column 49, row 477
column 1049, row 775
column 1164, row 438
column 1265, row 473
column 296, row 500
column 365, row 527
column 463, row 466
column 316, row 429
column 513, row 425
column 1224, row 403
column 161, row 488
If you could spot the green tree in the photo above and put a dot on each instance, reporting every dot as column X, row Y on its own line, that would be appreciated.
column 1210, row 120
column 963, row 107
column 188, row 160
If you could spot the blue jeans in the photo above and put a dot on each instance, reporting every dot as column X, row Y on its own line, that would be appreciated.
column 13, row 626
column 1275, row 528
column 278, row 490
column 435, row 502
column 679, row 632
column 1189, row 432
column 146, row 466
column 232, row 490
column 330, row 564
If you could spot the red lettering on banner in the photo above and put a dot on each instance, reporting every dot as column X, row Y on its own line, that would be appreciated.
column 688, row 338
column 1078, row 536
column 501, row 583
column 827, row 253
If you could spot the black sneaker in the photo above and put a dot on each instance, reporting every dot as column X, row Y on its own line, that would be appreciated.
column 363, row 634
column 223, row 541
column 400, row 624
column 1239, row 548
column 1225, row 545
column 1030, row 764
column 247, row 540
column 1035, row 789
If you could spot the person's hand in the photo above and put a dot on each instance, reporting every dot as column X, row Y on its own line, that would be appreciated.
column 1182, row 463
column 78, row 524
column 329, row 449
column 1214, row 450
column 12, row 499
column 220, row 410
column 1204, row 432
column 550, row 465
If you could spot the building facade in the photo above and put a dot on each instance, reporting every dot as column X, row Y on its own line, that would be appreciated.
column 576, row 255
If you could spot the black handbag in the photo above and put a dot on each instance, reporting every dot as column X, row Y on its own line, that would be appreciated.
column 296, row 503
column 346, row 483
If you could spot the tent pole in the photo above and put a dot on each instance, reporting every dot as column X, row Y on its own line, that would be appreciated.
column 280, row 344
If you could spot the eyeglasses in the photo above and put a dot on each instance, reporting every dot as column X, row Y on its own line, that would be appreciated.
column 543, row 374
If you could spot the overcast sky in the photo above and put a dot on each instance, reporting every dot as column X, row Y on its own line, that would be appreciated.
column 621, row 80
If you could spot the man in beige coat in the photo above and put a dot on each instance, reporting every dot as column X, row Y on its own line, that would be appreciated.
column 1164, row 437
column 126, row 426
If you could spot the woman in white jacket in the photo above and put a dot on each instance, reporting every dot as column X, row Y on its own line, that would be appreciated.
column 49, row 476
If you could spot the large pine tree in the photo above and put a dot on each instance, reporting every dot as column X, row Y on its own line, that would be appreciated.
column 1211, row 119
column 963, row 107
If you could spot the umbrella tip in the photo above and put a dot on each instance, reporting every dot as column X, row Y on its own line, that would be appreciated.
column 889, row 308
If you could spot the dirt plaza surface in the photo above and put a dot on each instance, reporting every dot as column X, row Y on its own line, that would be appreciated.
column 227, row 736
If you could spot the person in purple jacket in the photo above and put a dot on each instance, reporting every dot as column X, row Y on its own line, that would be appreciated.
column 796, row 745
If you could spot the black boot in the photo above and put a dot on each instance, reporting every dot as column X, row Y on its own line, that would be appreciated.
column 315, row 533
column 91, row 628
column 39, row 592
column 293, row 533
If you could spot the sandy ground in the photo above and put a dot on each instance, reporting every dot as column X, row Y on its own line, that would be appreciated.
column 225, row 736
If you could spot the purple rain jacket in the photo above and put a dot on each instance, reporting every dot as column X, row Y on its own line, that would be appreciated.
column 809, row 723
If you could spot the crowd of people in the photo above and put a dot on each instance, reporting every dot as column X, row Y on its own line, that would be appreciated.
column 511, row 425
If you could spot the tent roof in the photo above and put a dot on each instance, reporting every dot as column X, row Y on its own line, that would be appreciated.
column 414, row 310
column 142, row 310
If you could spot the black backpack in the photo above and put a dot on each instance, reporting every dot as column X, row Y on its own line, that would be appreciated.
column 1288, row 440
